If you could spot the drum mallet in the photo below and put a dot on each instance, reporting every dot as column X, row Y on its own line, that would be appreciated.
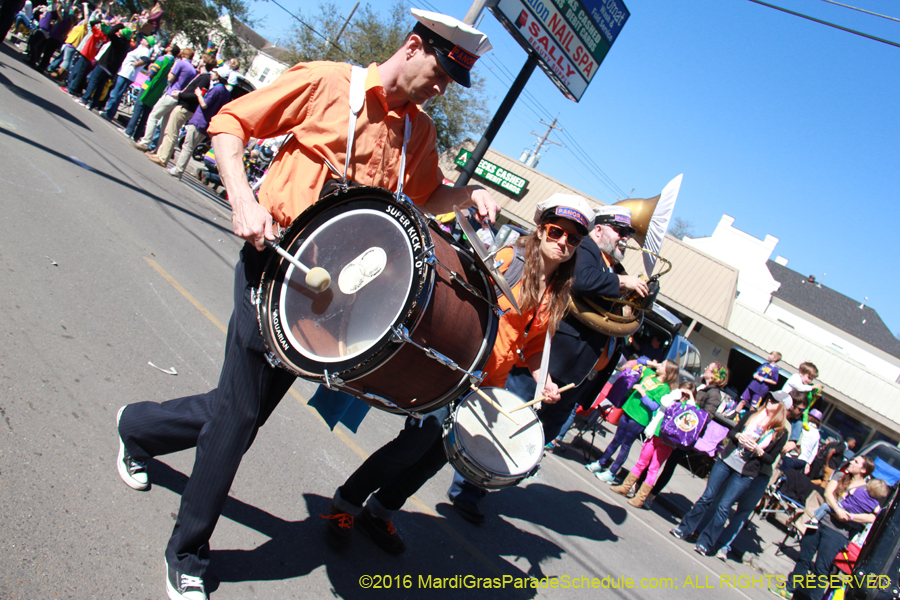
column 487, row 399
column 317, row 278
column 564, row 388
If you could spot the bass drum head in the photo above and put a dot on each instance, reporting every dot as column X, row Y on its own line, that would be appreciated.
column 371, row 246
column 493, row 442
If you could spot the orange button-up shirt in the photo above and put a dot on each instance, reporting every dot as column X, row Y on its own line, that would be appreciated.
column 511, row 333
column 312, row 101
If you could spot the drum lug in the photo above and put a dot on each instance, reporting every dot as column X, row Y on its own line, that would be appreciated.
column 273, row 360
column 499, row 311
column 430, row 256
column 376, row 398
column 476, row 377
column 401, row 335
column 332, row 381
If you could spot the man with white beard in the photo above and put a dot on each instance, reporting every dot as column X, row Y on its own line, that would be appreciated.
column 577, row 352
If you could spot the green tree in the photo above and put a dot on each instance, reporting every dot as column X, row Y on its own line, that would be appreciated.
column 374, row 37
column 681, row 227
column 196, row 19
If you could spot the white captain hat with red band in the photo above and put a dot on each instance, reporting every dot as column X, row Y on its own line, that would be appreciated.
column 456, row 45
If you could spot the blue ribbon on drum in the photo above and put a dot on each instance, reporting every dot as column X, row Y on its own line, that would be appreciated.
column 339, row 407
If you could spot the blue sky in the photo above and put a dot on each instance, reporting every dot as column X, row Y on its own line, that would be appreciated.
column 789, row 126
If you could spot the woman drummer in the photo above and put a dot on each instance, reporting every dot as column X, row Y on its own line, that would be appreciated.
column 399, row 468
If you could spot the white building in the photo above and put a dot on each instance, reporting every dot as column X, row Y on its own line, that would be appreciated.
column 779, row 309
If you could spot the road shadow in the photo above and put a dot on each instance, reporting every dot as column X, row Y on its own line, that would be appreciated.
column 40, row 102
column 18, row 56
column 117, row 181
column 297, row 548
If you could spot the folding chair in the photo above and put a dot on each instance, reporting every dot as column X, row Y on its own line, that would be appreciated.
column 592, row 424
column 775, row 503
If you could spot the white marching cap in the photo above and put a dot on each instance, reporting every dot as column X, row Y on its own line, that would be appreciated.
column 568, row 206
column 456, row 44
column 612, row 214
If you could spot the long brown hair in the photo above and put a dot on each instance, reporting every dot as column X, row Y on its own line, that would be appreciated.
column 777, row 421
column 846, row 478
column 559, row 287
column 672, row 374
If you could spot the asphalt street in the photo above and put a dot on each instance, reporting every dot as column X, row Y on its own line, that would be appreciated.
column 108, row 264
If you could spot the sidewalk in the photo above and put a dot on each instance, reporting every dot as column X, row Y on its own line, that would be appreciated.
column 758, row 545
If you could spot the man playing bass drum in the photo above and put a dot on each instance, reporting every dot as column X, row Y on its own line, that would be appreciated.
column 312, row 102
column 576, row 348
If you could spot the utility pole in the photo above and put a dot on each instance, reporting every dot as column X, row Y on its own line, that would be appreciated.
column 332, row 44
column 532, row 161
column 544, row 140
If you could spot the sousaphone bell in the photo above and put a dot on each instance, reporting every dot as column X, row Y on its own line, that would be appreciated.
column 622, row 316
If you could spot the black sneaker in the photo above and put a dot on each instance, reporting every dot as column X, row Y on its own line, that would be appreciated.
column 469, row 511
column 132, row 472
column 340, row 526
column 381, row 532
column 181, row 586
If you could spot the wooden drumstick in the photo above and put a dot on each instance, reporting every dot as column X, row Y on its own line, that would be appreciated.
column 487, row 399
column 317, row 278
column 564, row 388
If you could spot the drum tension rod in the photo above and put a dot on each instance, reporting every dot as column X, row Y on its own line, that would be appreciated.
column 382, row 400
column 332, row 381
column 401, row 335
column 431, row 258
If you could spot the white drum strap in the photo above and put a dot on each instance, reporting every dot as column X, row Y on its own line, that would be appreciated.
column 406, row 131
column 357, row 99
column 545, row 366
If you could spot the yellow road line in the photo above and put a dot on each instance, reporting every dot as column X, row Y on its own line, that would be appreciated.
column 443, row 523
column 186, row 294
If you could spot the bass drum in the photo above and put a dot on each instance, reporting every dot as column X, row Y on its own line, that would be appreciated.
column 394, row 324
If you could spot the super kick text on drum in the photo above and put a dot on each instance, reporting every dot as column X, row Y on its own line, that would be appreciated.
column 408, row 322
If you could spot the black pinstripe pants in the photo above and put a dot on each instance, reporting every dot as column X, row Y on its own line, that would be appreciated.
column 221, row 423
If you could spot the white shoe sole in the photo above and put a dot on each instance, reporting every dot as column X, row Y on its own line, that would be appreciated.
column 129, row 480
column 173, row 594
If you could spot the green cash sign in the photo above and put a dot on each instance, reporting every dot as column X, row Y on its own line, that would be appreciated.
column 495, row 174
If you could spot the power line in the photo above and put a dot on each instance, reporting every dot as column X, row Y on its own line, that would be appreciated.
column 311, row 28
column 862, row 10
column 572, row 145
column 847, row 29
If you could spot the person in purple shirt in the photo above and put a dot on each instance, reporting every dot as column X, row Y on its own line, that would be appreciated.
column 52, row 30
column 180, row 75
column 210, row 104
column 765, row 377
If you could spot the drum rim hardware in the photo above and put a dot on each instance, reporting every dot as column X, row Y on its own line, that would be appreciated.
column 471, row 467
column 427, row 286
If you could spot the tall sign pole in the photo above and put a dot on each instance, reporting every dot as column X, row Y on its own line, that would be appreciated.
column 511, row 96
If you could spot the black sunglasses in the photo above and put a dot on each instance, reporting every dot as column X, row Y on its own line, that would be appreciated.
column 554, row 232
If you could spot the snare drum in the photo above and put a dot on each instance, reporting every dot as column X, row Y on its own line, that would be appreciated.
column 488, row 449
column 395, row 328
